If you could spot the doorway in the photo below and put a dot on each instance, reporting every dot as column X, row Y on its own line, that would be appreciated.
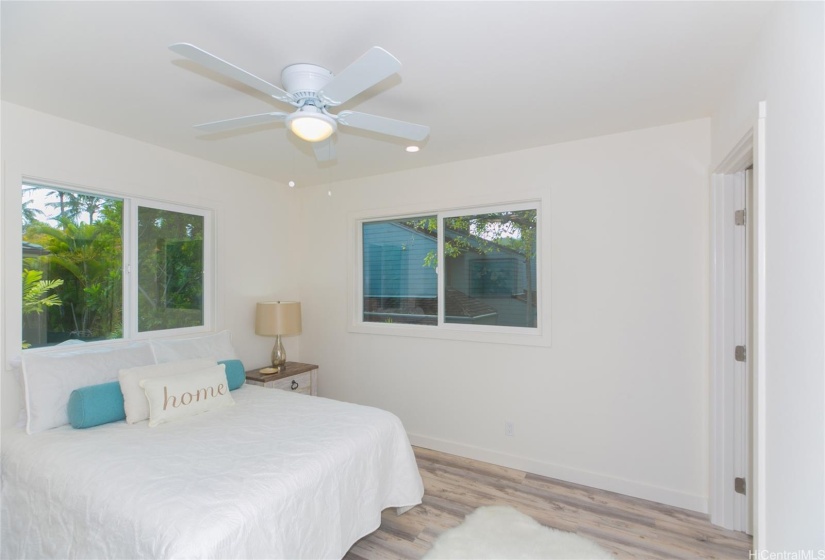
column 737, row 336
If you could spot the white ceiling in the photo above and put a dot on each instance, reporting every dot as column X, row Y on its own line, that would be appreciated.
column 487, row 77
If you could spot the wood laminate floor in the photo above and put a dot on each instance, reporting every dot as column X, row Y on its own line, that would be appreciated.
column 627, row 527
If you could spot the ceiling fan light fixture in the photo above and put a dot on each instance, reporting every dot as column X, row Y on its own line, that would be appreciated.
column 312, row 126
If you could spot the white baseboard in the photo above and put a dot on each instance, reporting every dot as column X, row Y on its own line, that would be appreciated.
column 567, row 474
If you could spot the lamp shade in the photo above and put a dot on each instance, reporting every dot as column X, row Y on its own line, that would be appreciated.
column 310, row 124
column 311, row 129
column 273, row 318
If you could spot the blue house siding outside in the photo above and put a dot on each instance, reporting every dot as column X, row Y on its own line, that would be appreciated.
column 398, row 287
column 394, row 262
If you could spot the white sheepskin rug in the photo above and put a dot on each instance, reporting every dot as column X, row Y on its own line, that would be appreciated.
column 500, row 532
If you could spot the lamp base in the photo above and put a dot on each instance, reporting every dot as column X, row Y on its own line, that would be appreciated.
column 278, row 355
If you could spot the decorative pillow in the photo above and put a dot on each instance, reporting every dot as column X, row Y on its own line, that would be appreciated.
column 235, row 373
column 50, row 377
column 134, row 398
column 96, row 405
column 218, row 345
column 186, row 394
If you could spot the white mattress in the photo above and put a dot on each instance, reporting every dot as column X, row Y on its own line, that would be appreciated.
column 278, row 475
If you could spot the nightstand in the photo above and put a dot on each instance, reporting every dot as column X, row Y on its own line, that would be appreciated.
column 301, row 378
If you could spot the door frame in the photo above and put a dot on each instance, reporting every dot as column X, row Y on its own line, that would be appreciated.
column 750, row 150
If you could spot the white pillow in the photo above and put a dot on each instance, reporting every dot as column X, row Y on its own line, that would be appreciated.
column 50, row 377
column 186, row 394
column 218, row 345
column 134, row 398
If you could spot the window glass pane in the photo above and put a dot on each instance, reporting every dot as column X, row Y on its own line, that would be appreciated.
column 490, row 269
column 72, row 266
column 400, row 282
column 170, row 269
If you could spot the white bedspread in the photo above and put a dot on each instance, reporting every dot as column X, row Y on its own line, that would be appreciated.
column 278, row 475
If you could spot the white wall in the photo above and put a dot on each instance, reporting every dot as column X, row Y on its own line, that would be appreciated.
column 254, row 218
column 620, row 399
column 786, row 69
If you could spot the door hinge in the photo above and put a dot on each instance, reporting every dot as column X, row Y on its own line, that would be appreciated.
column 739, row 485
column 739, row 217
column 740, row 354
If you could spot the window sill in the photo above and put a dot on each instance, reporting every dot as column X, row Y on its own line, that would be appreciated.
column 491, row 335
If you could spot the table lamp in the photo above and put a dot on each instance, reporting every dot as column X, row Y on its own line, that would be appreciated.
column 278, row 318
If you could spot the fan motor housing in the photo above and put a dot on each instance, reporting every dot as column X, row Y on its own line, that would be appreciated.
column 304, row 80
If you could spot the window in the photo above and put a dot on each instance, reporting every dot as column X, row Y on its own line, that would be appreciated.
column 400, row 283
column 170, row 269
column 488, row 280
column 76, row 267
column 490, row 268
column 72, row 266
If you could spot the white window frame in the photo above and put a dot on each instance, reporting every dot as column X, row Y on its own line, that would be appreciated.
column 130, row 262
column 528, row 336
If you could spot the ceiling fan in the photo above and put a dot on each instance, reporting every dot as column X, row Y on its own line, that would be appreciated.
column 313, row 90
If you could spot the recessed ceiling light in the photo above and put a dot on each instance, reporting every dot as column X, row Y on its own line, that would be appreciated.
column 412, row 149
column 291, row 183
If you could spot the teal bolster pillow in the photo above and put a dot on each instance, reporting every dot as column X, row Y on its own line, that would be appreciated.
column 96, row 405
column 235, row 373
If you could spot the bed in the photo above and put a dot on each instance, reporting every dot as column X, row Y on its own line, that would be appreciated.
column 277, row 475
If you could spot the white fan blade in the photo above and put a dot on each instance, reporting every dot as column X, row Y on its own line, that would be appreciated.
column 238, row 122
column 374, row 66
column 324, row 151
column 383, row 125
column 222, row 67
